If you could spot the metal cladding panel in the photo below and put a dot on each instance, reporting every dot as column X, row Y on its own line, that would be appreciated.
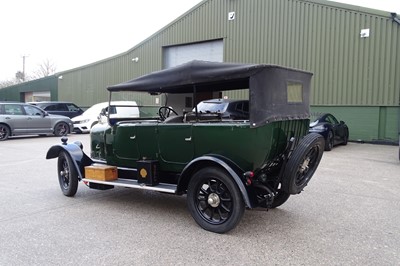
column 322, row 37
column 13, row 93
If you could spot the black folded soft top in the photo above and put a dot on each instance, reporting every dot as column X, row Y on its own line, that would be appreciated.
column 276, row 93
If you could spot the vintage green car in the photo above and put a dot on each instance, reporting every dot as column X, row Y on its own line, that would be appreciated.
column 224, row 165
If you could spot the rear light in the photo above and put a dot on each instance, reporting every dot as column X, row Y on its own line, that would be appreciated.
column 248, row 177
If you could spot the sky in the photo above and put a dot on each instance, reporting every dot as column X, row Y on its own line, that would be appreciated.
column 73, row 33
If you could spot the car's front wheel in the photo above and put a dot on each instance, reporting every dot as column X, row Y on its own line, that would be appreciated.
column 4, row 132
column 346, row 138
column 214, row 200
column 61, row 129
column 329, row 141
column 67, row 174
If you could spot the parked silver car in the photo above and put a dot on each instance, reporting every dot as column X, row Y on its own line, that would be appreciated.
column 25, row 119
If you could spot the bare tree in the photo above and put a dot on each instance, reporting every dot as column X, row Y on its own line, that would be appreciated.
column 45, row 69
column 7, row 83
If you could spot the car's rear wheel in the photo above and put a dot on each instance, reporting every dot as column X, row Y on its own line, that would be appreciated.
column 329, row 141
column 214, row 200
column 4, row 132
column 302, row 163
column 61, row 129
column 67, row 175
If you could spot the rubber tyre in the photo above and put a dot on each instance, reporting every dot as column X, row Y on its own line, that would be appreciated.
column 4, row 132
column 329, row 141
column 346, row 138
column 280, row 198
column 302, row 163
column 67, row 174
column 214, row 200
column 61, row 129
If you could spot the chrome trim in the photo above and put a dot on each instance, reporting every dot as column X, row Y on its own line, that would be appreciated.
column 99, row 161
column 127, row 169
column 120, row 182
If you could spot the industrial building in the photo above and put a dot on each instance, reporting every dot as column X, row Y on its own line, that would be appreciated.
column 352, row 51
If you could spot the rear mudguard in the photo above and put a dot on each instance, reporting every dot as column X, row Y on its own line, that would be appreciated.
column 208, row 160
column 79, row 158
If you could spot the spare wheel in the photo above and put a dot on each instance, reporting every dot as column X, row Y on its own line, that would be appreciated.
column 302, row 163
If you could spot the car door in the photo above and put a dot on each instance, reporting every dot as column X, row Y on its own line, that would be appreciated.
column 126, row 145
column 73, row 110
column 14, row 116
column 175, row 144
column 37, row 121
column 337, row 128
column 57, row 109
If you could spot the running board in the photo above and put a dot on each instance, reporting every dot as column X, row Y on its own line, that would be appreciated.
column 162, row 187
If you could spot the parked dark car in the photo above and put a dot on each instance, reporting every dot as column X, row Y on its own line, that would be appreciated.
column 224, row 165
column 333, row 131
column 25, row 119
column 225, row 108
column 60, row 108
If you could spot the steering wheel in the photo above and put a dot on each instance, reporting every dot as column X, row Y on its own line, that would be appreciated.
column 165, row 111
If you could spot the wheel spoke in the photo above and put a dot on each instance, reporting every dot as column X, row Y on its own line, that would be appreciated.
column 226, row 209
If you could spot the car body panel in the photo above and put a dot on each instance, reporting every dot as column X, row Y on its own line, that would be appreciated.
column 177, row 144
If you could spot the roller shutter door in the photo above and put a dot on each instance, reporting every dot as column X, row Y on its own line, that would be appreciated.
column 180, row 54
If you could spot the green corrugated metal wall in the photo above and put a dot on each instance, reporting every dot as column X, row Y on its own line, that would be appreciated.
column 319, row 36
column 14, row 93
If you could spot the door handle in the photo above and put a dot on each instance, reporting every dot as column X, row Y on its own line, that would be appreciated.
column 188, row 139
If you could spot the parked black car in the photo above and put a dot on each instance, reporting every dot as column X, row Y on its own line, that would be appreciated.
column 333, row 131
column 60, row 108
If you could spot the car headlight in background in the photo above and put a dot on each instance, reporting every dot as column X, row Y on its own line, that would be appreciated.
column 82, row 121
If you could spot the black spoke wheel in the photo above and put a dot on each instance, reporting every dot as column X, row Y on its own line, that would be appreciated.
column 214, row 200
column 67, row 174
column 302, row 163
column 4, row 132
column 61, row 129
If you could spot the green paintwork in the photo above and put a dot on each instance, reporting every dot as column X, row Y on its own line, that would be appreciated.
column 175, row 145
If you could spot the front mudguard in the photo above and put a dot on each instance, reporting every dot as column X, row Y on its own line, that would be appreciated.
column 75, row 151
column 234, row 171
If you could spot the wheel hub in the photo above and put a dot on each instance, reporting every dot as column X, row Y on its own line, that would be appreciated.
column 213, row 200
column 64, row 173
column 304, row 165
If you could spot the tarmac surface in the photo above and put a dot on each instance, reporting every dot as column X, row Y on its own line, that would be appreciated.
column 349, row 214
